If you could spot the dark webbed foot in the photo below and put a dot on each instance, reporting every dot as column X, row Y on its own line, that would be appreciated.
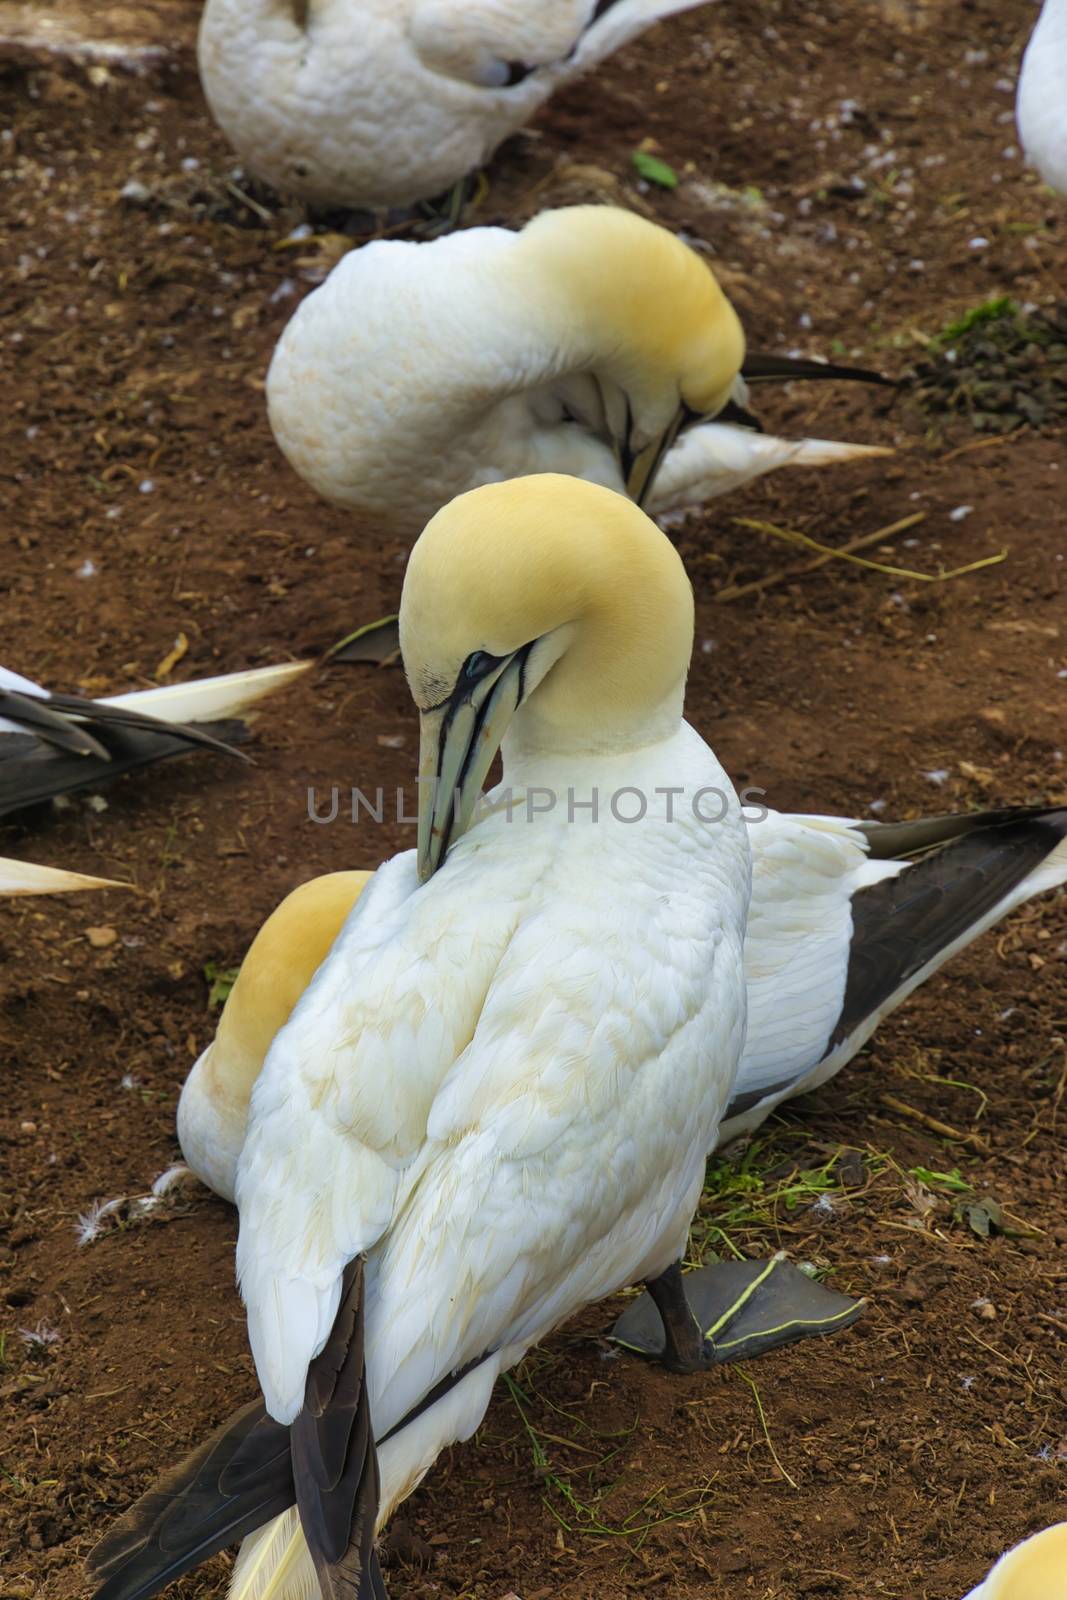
column 685, row 1348
column 730, row 1311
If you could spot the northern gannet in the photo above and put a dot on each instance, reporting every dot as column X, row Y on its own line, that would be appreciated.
column 845, row 921
column 493, row 1102
column 1036, row 1569
column 379, row 103
column 1041, row 99
column 585, row 343
column 26, row 877
column 51, row 743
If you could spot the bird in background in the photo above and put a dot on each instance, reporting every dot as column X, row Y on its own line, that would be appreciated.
column 492, row 1105
column 369, row 104
column 592, row 342
column 53, row 743
column 846, row 920
column 1036, row 1569
column 1041, row 98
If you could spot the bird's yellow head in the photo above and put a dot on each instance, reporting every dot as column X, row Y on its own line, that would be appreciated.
column 1034, row 1570
column 547, row 605
column 636, row 305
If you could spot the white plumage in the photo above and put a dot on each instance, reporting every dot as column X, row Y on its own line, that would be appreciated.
column 502, row 1084
column 377, row 103
column 1041, row 102
column 417, row 371
column 807, row 926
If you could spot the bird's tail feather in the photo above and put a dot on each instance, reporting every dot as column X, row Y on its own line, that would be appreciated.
column 25, row 877
column 211, row 699
column 274, row 1563
column 825, row 452
column 614, row 25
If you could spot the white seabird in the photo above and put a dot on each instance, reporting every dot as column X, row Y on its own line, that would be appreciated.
column 379, row 103
column 591, row 342
column 1041, row 98
column 492, row 1104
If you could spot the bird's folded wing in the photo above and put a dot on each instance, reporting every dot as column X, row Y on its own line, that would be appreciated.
column 104, row 714
column 31, row 772
column 805, row 871
column 759, row 367
column 907, row 925
column 335, row 1465
column 22, row 713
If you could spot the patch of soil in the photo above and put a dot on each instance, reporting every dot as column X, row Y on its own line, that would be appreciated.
column 842, row 164
column 1000, row 369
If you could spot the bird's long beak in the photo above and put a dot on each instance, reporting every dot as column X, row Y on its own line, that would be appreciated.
column 457, row 743
column 640, row 469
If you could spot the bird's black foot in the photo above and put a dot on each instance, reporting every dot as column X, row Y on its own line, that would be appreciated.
column 685, row 1348
column 730, row 1311
column 375, row 642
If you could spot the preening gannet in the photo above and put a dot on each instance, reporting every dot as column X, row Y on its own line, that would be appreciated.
column 585, row 343
column 492, row 1103
column 378, row 103
column 52, row 743
column 845, row 921
column 25, row 877
column 1033, row 1570
column 1041, row 100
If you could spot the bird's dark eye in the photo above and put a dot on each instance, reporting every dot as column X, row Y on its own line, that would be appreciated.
column 479, row 664
column 517, row 72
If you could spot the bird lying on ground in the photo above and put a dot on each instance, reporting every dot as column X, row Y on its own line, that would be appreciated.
column 845, row 921
column 591, row 342
column 369, row 104
column 1041, row 100
column 53, row 743
column 1033, row 1570
column 25, row 877
column 492, row 1104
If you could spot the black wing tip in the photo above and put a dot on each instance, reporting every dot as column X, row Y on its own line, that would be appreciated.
column 887, row 840
column 762, row 367
column 235, row 1481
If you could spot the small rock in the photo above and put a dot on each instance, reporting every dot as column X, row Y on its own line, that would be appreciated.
column 100, row 938
column 985, row 1309
column 135, row 193
column 27, row 1127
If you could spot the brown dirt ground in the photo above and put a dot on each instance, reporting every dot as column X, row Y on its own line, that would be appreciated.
column 897, row 1460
